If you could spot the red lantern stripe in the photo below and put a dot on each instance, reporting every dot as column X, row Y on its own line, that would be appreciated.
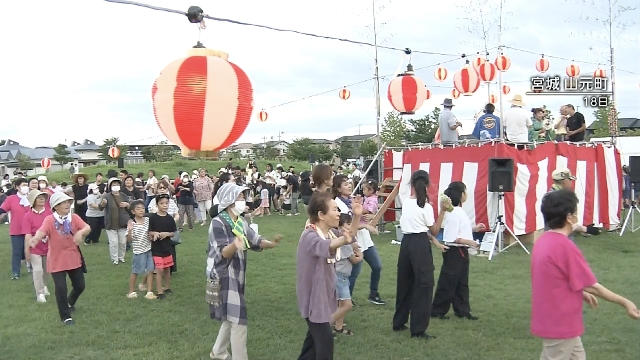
column 412, row 92
column 182, row 90
column 542, row 65
column 487, row 71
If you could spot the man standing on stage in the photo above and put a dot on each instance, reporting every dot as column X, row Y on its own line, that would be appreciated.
column 575, row 124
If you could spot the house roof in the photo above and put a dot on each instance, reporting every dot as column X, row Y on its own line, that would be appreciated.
column 243, row 146
column 321, row 141
column 14, row 149
column 355, row 137
column 87, row 145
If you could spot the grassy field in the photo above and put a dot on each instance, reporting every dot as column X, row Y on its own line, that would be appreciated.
column 110, row 326
column 171, row 168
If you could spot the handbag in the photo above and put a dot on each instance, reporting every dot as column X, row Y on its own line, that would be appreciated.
column 175, row 239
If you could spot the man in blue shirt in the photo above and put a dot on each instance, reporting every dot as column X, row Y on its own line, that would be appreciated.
column 488, row 125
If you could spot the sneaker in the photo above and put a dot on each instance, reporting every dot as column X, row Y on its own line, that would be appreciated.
column 132, row 295
column 168, row 291
column 72, row 308
column 142, row 287
column 115, row 262
column 46, row 291
column 122, row 261
column 15, row 277
column 161, row 296
column 375, row 299
column 468, row 317
column 41, row 299
column 68, row 321
column 150, row 296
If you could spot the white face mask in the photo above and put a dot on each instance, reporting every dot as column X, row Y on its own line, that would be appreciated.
column 42, row 185
column 24, row 190
column 239, row 208
column 115, row 188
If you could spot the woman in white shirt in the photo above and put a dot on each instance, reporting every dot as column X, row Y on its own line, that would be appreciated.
column 453, row 283
column 415, row 261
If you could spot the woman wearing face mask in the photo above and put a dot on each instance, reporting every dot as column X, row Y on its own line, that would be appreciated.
column 95, row 215
column 116, row 219
column 80, row 190
column 43, row 185
column 63, row 232
column 17, row 205
column 229, row 239
column 184, row 193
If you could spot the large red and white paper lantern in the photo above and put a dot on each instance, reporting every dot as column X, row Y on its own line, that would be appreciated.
column 503, row 63
column 493, row 99
column 202, row 102
column 455, row 93
column 600, row 73
column 573, row 70
column 542, row 65
column 344, row 94
column 428, row 96
column 466, row 80
column 113, row 152
column 487, row 72
column 477, row 62
column 440, row 74
column 406, row 93
column 45, row 163
column 263, row 116
column 506, row 89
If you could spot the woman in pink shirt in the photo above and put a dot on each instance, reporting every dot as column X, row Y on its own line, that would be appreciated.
column 561, row 280
column 37, row 255
column 63, row 232
column 17, row 205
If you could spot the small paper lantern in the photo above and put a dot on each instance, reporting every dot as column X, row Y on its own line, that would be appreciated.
column 506, row 89
column 487, row 72
column 428, row 95
column 455, row 93
column 573, row 70
column 440, row 74
column 600, row 73
column 466, row 80
column 503, row 63
column 542, row 65
column 344, row 94
column 263, row 116
column 45, row 163
column 477, row 62
column 406, row 93
column 113, row 152
column 493, row 99
column 202, row 102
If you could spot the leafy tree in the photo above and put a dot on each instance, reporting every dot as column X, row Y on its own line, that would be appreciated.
column 267, row 151
column 600, row 125
column 323, row 153
column 61, row 154
column 423, row 130
column 299, row 149
column 103, row 151
column 394, row 129
column 345, row 150
column 24, row 162
column 159, row 152
column 368, row 148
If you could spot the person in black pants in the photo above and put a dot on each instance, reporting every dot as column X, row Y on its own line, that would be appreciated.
column 415, row 260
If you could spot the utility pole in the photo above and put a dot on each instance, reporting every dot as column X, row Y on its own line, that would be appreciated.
column 280, row 135
column 359, row 125
column 502, row 124
column 377, row 77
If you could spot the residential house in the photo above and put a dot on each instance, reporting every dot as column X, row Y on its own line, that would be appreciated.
column 355, row 141
column 88, row 152
column 246, row 150
column 625, row 124
column 330, row 144
column 281, row 146
column 12, row 150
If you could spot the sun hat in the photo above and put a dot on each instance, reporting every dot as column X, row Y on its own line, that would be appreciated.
column 113, row 179
column 228, row 193
column 43, row 178
column 76, row 176
column 562, row 174
column 33, row 194
column 517, row 100
column 58, row 198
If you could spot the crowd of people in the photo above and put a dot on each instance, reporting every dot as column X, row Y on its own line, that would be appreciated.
column 49, row 225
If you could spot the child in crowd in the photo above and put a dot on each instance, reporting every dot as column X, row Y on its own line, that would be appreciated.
column 370, row 201
column 346, row 256
column 286, row 200
column 161, row 228
column 138, row 236
column 264, row 200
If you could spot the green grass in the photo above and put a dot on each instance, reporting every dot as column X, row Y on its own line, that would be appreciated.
column 171, row 167
column 110, row 326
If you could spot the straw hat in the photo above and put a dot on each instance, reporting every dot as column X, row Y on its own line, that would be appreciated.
column 33, row 194
column 517, row 100
column 76, row 176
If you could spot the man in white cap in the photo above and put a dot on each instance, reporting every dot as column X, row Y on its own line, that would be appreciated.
column 563, row 179
column 448, row 123
column 517, row 121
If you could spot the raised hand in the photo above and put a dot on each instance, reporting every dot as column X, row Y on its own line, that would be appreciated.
column 356, row 208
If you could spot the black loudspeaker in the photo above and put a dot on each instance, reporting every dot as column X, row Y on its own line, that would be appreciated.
column 121, row 163
column 634, row 169
column 373, row 173
column 312, row 158
column 501, row 175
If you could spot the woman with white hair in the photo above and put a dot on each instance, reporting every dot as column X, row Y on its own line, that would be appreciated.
column 63, row 232
column 229, row 239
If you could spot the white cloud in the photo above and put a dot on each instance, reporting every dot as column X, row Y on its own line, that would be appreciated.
column 87, row 66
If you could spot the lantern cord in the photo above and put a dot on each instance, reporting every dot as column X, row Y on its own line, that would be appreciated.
column 126, row 2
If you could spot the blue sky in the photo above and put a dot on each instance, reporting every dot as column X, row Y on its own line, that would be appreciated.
column 75, row 77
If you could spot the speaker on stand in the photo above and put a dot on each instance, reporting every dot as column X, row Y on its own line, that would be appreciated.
column 634, row 180
column 501, row 180
column 121, row 163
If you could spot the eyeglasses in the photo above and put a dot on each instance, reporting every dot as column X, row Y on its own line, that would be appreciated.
column 162, row 188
